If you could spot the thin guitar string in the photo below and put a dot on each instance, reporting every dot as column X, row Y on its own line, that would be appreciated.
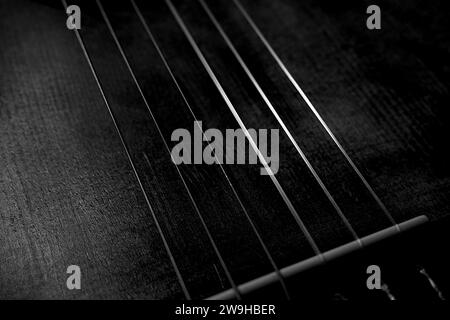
column 208, row 233
column 111, row 113
column 177, row 85
column 316, row 113
column 278, row 118
column 241, row 124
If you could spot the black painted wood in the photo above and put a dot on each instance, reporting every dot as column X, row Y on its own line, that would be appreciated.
column 69, row 195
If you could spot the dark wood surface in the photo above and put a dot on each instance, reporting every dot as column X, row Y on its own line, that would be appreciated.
column 69, row 196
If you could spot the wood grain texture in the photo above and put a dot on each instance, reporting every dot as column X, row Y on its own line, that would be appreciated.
column 69, row 196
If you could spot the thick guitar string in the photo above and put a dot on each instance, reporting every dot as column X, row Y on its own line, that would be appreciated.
column 314, row 110
column 177, row 85
column 111, row 113
column 241, row 124
column 208, row 233
column 280, row 121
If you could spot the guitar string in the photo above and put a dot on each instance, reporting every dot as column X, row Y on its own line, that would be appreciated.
column 127, row 152
column 241, row 124
column 278, row 118
column 204, row 225
column 314, row 110
column 431, row 282
column 186, row 102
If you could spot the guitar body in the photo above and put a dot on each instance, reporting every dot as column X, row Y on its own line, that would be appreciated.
column 78, row 188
